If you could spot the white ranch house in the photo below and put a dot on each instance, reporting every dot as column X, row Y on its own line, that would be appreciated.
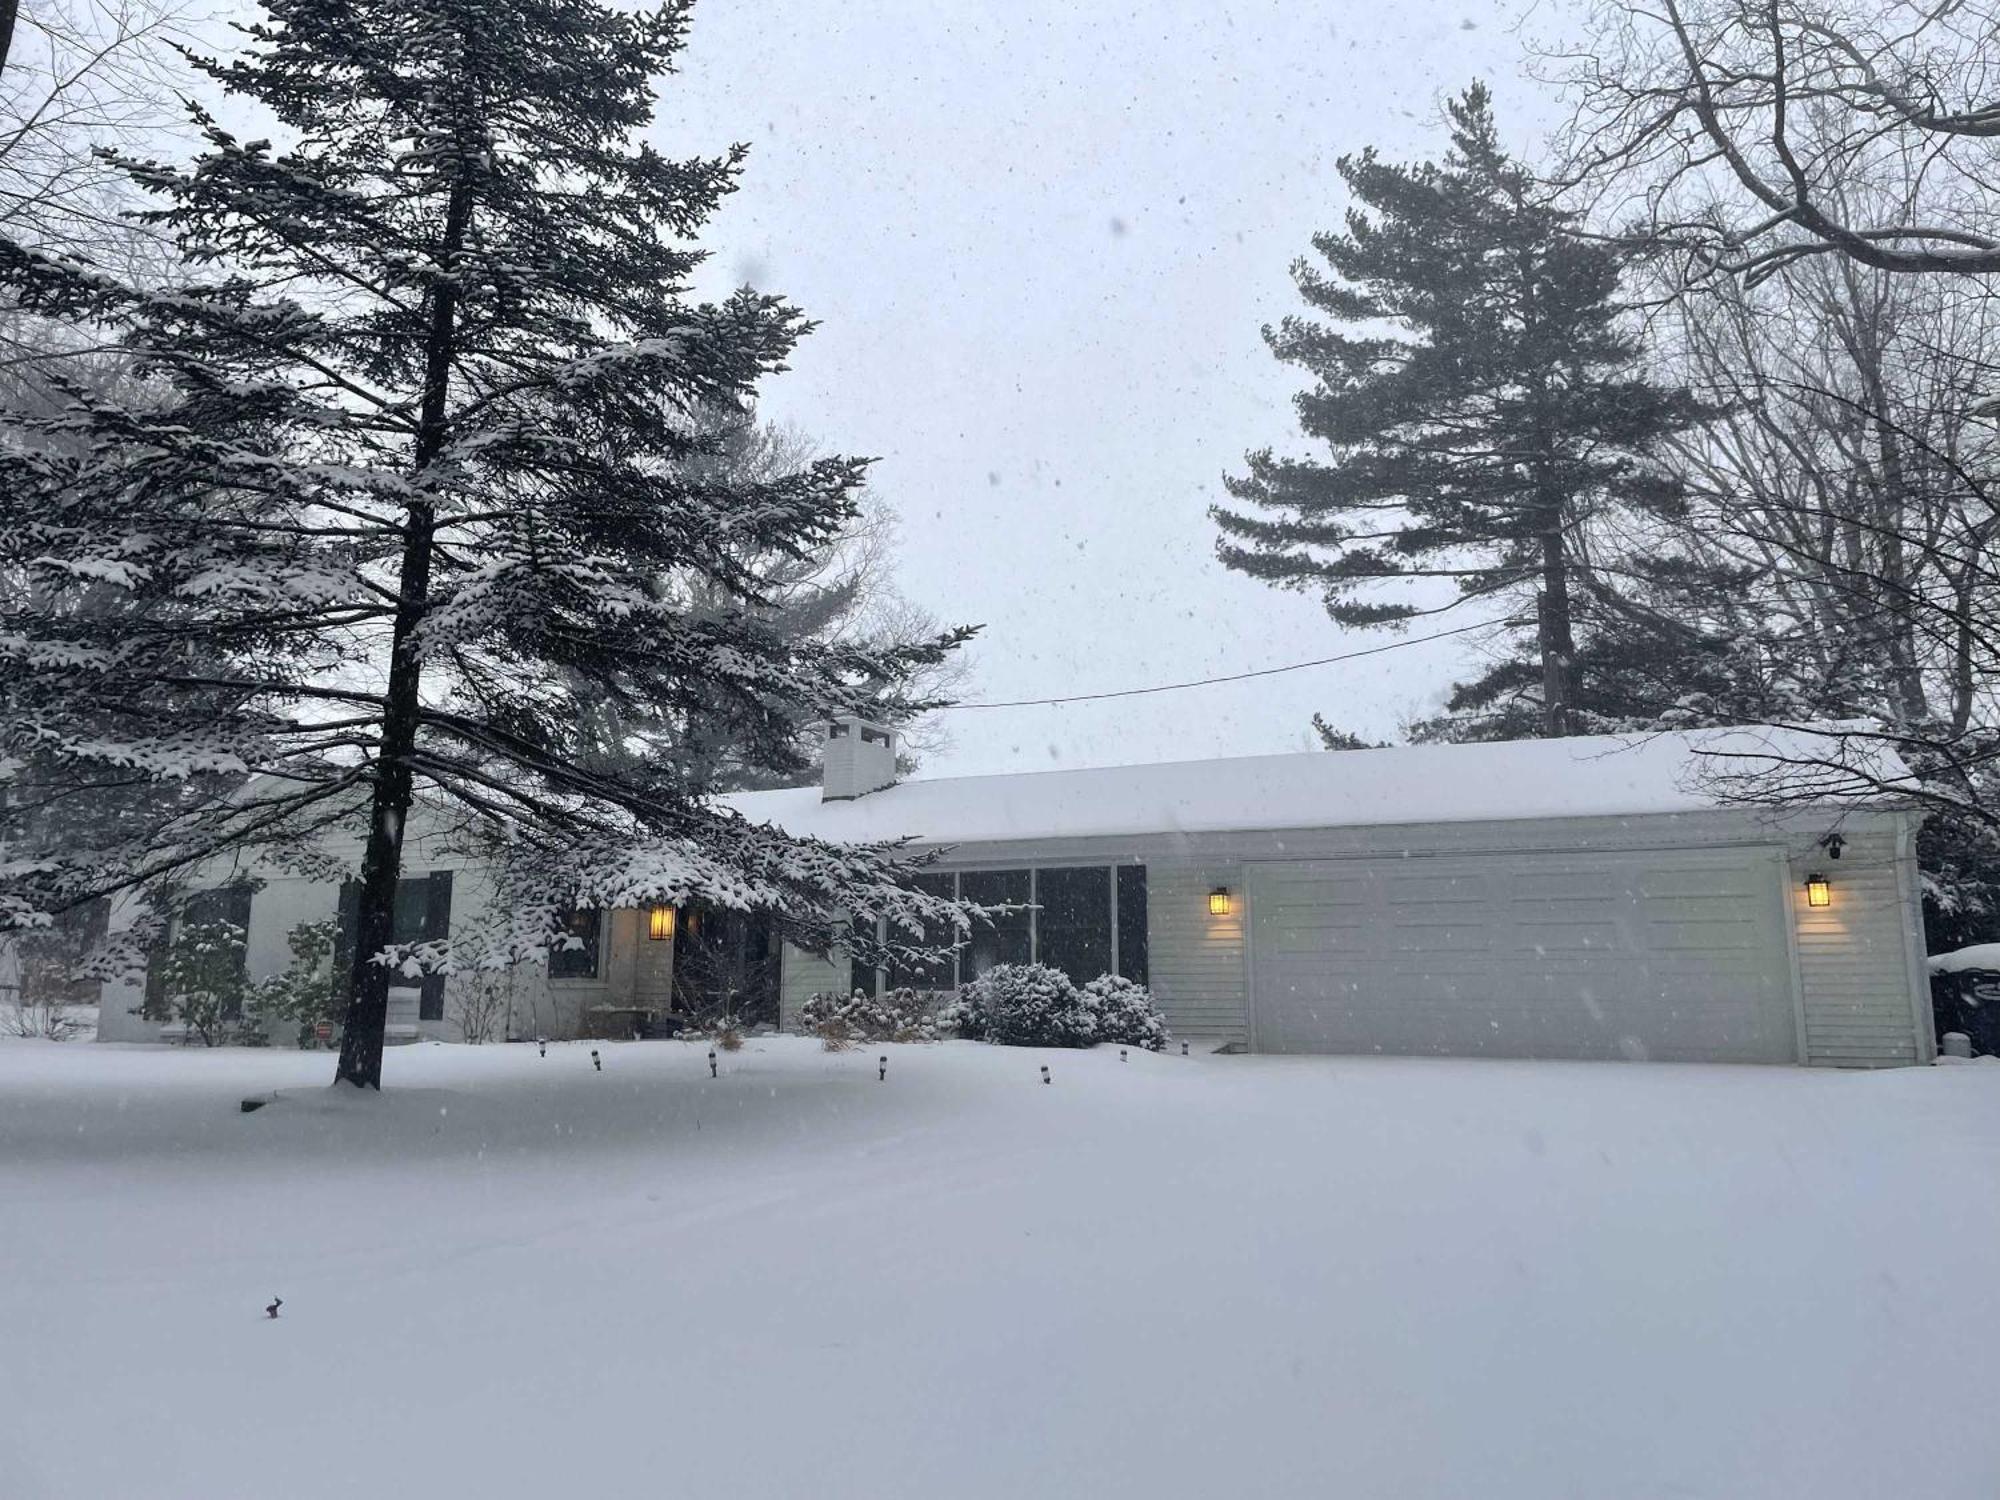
column 1580, row 898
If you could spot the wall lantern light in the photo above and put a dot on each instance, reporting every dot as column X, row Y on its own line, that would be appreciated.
column 1218, row 901
column 1819, row 892
column 660, row 924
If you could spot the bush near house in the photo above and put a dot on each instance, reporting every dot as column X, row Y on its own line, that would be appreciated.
column 1025, row 1005
column 202, row 985
column 304, row 995
column 1126, row 1013
column 1033, row 1005
column 204, row 989
column 902, row 1015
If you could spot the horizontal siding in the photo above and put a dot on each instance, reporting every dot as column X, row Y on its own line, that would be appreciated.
column 1854, row 958
column 801, row 976
column 1196, row 963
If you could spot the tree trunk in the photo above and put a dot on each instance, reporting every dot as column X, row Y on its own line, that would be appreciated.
column 1554, row 635
column 1965, row 644
column 10, row 11
column 381, row 865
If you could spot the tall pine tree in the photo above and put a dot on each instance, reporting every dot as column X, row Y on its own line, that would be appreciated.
column 1479, row 399
column 416, row 469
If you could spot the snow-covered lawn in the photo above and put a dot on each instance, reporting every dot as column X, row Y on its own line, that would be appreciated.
column 512, row 1276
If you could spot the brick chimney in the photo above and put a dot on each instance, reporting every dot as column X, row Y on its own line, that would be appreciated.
column 860, row 758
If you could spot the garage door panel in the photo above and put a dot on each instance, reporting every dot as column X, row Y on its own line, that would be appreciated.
column 1669, row 954
column 1543, row 938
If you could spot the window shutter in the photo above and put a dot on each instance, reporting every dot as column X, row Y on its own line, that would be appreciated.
column 154, row 1006
column 1132, row 934
column 346, row 924
column 437, row 926
column 236, row 911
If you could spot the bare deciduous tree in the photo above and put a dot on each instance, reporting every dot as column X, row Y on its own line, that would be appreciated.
column 1732, row 128
column 79, row 76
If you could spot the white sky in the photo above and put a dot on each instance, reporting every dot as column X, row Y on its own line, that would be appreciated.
column 1041, row 237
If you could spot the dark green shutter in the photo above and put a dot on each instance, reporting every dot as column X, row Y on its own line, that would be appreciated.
column 346, row 924
column 437, row 926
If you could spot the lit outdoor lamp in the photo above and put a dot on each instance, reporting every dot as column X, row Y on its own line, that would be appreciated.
column 1218, row 901
column 1819, row 891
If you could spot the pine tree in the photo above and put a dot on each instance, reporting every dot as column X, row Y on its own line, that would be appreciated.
column 1482, row 410
column 1668, row 645
column 419, row 452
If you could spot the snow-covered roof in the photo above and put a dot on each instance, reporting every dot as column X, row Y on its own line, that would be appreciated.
column 1597, row 776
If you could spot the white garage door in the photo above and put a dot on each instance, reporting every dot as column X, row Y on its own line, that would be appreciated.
column 1675, row 955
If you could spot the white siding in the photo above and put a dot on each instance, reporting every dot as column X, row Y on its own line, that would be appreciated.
column 1197, row 968
column 1861, row 999
column 803, row 975
column 1854, row 957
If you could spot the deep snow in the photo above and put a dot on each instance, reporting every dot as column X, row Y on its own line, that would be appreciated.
column 1153, row 1278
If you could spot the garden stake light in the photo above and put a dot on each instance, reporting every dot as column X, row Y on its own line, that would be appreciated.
column 1045, row 1072
column 596, row 1061
column 882, row 1068
column 711, row 1064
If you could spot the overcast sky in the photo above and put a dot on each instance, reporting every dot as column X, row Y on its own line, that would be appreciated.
column 1041, row 237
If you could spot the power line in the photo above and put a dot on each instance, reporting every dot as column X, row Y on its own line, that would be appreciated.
column 1175, row 687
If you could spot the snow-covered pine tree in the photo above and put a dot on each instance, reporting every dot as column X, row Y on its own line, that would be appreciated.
column 415, row 455
column 1661, row 640
column 842, row 591
column 1483, row 410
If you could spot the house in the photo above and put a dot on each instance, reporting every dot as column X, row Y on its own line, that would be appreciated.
column 620, row 968
column 1606, row 897
column 1615, row 897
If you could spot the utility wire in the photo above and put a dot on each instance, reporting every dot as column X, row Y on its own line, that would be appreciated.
column 1175, row 687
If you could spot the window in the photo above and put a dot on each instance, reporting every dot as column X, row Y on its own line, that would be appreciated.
column 861, row 974
column 1009, row 937
column 50, row 956
column 423, row 915
column 585, row 925
column 940, row 973
column 1073, row 923
column 228, row 905
column 1132, row 922
column 1070, row 927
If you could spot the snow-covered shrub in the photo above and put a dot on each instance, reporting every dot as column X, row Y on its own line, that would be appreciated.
column 304, row 995
column 903, row 1015
column 1025, row 1005
column 1126, row 1013
column 961, row 1016
column 202, row 986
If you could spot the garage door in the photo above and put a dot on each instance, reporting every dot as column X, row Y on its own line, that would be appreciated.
column 1668, row 955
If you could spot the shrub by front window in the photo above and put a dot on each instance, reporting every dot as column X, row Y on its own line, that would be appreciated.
column 1025, row 1005
column 1126, row 1013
